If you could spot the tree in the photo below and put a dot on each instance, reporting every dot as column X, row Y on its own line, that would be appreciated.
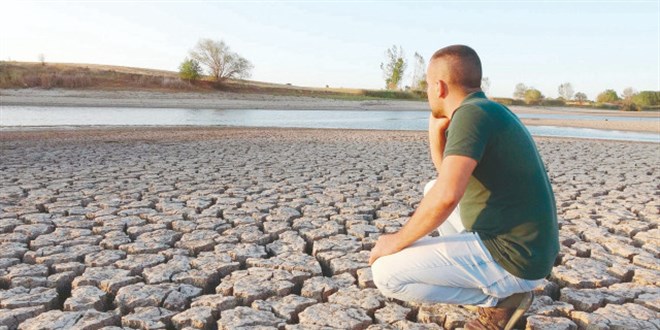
column 419, row 73
column 628, row 93
column 190, row 70
column 580, row 97
column 394, row 67
column 220, row 62
column 647, row 98
column 566, row 91
column 42, row 59
column 607, row 96
column 520, row 90
column 533, row 96
column 485, row 84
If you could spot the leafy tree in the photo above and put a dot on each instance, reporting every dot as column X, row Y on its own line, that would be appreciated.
column 607, row 96
column 220, row 62
column 519, row 92
column 647, row 98
column 566, row 91
column 419, row 73
column 485, row 84
column 533, row 96
column 190, row 70
column 580, row 97
column 628, row 93
column 393, row 67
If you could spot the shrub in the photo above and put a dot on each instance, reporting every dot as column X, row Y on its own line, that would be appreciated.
column 605, row 106
column 507, row 101
column 420, row 93
column 390, row 94
column 553, row 102
column 630, row 106
column 607, row 96
column 190, row 70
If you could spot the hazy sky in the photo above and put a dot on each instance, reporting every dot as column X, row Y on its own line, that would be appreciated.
column 594, row 45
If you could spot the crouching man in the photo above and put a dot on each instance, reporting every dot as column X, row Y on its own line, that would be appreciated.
column 502, row 240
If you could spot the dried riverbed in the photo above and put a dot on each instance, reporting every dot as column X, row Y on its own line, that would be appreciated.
column 198, row 228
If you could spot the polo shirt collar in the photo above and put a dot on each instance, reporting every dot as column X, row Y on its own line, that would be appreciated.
column 474, row 95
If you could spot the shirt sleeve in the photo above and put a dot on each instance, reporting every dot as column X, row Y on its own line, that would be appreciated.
column 468, row 133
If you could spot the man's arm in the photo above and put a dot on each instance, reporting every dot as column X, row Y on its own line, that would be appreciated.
column 437, row 128
column 434, row 208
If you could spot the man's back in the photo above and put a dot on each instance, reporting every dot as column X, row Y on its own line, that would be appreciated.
column 509, row 200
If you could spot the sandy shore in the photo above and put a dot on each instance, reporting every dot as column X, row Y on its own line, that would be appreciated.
column 236, row 227
column 225, row 100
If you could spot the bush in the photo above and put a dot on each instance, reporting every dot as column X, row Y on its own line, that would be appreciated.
column 390, row 94
column 630, row 106
column 420, row 93
column 606, row 106
column 507, row 101
column 553, row 102
column 190, row 70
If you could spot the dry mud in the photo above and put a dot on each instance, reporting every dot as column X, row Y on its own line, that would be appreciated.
column 205, row 228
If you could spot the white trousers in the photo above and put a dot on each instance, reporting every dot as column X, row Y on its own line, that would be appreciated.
column 454, row 268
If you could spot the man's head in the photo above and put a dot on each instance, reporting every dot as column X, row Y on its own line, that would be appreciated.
column 453, row 72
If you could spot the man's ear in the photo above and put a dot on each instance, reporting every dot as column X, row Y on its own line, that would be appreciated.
column 443, row 89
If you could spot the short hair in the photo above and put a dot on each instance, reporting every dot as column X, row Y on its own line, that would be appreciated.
column 464, row 65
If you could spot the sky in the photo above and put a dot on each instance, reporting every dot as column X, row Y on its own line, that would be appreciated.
column 594, row 45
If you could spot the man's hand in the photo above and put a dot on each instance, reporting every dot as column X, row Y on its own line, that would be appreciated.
column 386, row 245
column 438, row 125
column 437, row 129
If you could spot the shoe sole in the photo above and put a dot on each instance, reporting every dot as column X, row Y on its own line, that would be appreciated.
column 524, row 305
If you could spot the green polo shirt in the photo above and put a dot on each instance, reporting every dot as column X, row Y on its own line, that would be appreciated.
column 509, row 200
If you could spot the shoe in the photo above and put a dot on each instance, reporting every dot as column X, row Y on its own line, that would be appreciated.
column 503, row 316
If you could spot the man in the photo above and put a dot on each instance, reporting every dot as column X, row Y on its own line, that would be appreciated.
column 505, row 240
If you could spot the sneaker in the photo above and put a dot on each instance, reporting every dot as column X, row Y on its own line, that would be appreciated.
column 503, row 316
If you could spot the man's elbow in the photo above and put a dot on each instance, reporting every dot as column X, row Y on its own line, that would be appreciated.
column 449, row 202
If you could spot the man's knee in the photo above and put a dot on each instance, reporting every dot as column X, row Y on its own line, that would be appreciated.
column 382, row 272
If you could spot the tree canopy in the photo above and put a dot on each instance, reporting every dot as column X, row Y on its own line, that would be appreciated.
column 566, row 91
column 520, row 90
column 533, row 96
column 647, row 98
column 607, row 96
column 220, row 62
column 419, row 73
column 580, row 97
column 394, row 67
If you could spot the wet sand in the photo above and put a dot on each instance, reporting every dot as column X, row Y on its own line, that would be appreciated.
column 226, row 100
column 237, row 227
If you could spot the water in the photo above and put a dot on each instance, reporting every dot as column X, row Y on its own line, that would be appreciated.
column 12, row 116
